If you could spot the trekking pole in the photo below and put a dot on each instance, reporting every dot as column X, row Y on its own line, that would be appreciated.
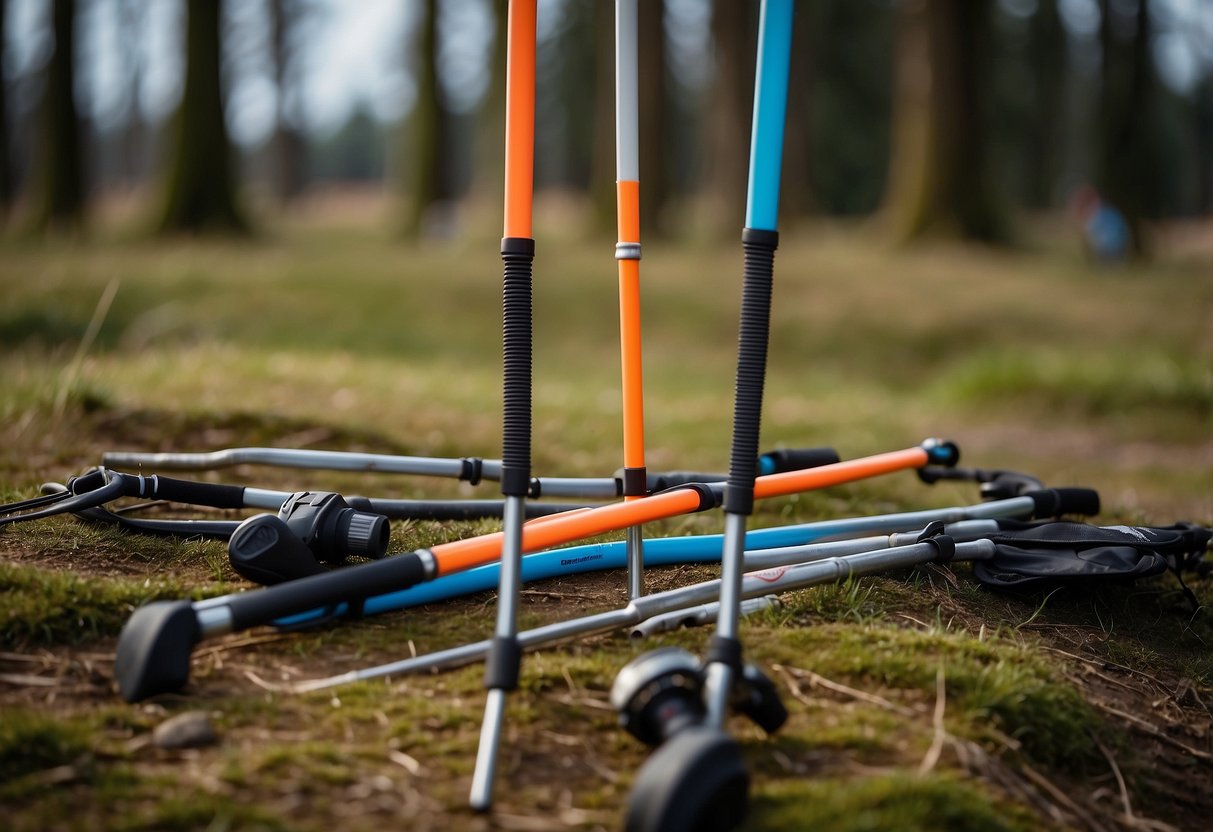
column 517, row 250
column 154, row 647
column 766, row 571
column 1025, row 553
column 104, row 485
column 161, row 630
column 699, row 773
column 668, row 551
column 472, row 470
column 627, row 253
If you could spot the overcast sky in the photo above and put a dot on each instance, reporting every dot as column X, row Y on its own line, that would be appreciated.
column 354, row 52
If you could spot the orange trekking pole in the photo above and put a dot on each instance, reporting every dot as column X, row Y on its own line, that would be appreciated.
column 627, row 253
column 154, row 648
column 517, row 252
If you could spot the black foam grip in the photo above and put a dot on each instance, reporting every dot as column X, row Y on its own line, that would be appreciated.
column 517, row 255
column 214, row 495
column 753, row 335
column 503, row 664
column 672, row 479
column 798, row 459
column 450, row 509
column 1054, row 502
column 347, row 585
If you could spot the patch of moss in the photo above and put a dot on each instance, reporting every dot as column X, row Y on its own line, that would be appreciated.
column 895, row 802
column 31, row 742
column 45, row 607
column 990, row 684
column 202, row 811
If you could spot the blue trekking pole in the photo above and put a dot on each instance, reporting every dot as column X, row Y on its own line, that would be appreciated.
column 696, row 779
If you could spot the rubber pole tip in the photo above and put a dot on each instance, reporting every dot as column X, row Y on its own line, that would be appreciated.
column 154, row 649
column 695, row 782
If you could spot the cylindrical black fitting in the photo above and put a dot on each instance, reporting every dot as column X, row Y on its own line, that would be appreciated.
column 501, row 668
column 754, row 333
column 726, row 651
column 517, row 255
column 635, row 482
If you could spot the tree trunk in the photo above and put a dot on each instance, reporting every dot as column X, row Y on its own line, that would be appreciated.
column 654, row 176
column 489, row 152
column 59, row 200
column 1047, row 53
column 1204, row 146
column 602, row 168
column 941, row 181
column 135, row 133
column 1123, row 112
column 288, row 144
column 428, row 153
column 796, row 196
column 6, row 170
column 734, row 29
column 200, row 191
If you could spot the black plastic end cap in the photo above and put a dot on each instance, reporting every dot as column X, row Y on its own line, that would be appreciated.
column 1054, row 502
column 941, row 452
column 154, row 650
column 695, row 782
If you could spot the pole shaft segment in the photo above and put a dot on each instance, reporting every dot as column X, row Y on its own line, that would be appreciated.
column 517, row 251
column 520, row 118
column 759, row 240
column 627, row 253
column 770, row 113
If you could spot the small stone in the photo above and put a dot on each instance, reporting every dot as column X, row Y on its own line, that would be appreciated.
column 191, row 729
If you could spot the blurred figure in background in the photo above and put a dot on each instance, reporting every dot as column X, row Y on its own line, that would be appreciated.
column 1105, row 233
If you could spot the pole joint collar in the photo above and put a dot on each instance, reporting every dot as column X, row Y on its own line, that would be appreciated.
column 627, row 251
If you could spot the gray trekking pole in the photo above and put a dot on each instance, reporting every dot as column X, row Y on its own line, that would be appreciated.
column 768, row 571
column 517, row 250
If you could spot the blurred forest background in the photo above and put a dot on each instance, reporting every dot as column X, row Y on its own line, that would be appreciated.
column 962, row 118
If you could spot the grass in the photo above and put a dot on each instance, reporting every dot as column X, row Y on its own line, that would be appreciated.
column 47, row 608
column 31, row 741
column 341, row 338
column 891, row 801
